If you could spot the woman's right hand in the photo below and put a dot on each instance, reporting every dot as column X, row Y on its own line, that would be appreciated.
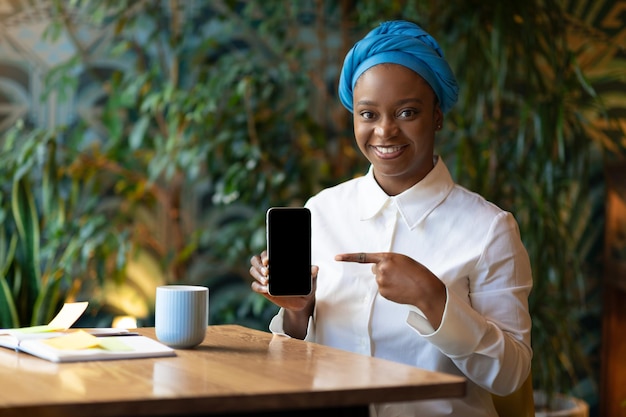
column 259, row 271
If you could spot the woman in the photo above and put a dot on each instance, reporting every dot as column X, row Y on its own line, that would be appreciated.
column 409, row 266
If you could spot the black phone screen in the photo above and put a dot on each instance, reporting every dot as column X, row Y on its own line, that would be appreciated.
column 289, row 250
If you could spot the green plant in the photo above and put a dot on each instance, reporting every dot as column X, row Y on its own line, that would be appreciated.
column 211, row 102
column 53, row 236
column 525, row 134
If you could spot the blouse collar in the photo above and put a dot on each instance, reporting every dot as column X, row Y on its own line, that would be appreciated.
column 414, row 204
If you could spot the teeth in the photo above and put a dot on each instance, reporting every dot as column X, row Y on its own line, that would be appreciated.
column 388, row 149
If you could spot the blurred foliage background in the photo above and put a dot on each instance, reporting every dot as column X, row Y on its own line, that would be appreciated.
column 217, row 110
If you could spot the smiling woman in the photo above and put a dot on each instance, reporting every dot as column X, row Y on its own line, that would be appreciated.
column 407, row 265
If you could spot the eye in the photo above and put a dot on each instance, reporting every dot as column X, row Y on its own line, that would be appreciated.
column 367, row 115
column 407, row 113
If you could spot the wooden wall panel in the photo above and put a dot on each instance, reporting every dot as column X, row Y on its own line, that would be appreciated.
column 613, row 379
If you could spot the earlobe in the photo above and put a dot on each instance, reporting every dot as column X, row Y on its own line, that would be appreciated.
column 438, row 117
column 438, row 122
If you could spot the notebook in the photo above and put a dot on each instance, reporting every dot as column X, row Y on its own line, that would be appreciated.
column 81, row 346
column 57, row 342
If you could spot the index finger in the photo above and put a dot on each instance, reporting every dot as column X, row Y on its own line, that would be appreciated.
column 362, row 257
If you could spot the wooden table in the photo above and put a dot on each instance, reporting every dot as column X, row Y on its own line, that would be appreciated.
column 236, row 371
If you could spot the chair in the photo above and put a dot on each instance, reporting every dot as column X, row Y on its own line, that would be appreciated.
column 518, row 404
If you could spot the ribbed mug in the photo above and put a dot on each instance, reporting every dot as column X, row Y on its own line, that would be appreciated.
column 181, row 315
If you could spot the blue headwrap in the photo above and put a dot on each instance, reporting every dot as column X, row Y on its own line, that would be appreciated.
column 404, row 43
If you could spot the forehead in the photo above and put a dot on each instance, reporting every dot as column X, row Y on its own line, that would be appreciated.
column 392, row 79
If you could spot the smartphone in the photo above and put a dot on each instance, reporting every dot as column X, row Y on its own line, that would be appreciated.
column 289, row 251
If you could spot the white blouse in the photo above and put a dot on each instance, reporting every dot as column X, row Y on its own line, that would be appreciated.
column 473, row 246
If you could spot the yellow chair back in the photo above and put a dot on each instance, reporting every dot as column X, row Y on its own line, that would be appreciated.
column 518, row 404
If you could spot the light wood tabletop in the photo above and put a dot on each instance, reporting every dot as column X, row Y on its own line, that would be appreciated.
column 235, row 370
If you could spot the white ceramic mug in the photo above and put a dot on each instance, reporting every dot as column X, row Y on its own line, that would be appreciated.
column 181, row 315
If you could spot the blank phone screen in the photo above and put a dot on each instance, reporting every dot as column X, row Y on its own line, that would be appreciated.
column 289, row 250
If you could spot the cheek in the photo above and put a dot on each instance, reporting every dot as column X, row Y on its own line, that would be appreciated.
column 361, row 133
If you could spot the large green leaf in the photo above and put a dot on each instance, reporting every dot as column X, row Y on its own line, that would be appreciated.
column 8, row 313
column 27, row 225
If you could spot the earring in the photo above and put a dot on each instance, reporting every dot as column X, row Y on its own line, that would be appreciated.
column 439, row 127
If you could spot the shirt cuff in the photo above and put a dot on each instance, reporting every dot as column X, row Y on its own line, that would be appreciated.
column 461, row 329
column 277, row 328
column 276, row 324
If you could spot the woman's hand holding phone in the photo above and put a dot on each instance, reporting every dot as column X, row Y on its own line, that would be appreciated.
column 259, row 271
column 298, row 309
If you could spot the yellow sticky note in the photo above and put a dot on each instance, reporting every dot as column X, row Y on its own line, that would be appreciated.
column 73, row 341
column 68, row 315
column 114, row 344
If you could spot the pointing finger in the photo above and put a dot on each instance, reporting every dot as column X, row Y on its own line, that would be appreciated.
column 362, row 257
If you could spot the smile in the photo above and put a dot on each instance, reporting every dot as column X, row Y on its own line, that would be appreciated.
column 387, row 150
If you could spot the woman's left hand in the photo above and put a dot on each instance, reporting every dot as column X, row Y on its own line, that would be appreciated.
column 405, row 281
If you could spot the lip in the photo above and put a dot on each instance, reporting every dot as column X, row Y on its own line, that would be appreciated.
column 388, row 151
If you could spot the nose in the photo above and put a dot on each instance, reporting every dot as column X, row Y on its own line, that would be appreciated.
column 386, row 127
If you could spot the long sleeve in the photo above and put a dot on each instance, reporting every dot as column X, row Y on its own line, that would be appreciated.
column 486, row 333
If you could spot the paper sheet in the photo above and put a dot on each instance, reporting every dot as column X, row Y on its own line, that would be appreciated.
column 68, row 315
